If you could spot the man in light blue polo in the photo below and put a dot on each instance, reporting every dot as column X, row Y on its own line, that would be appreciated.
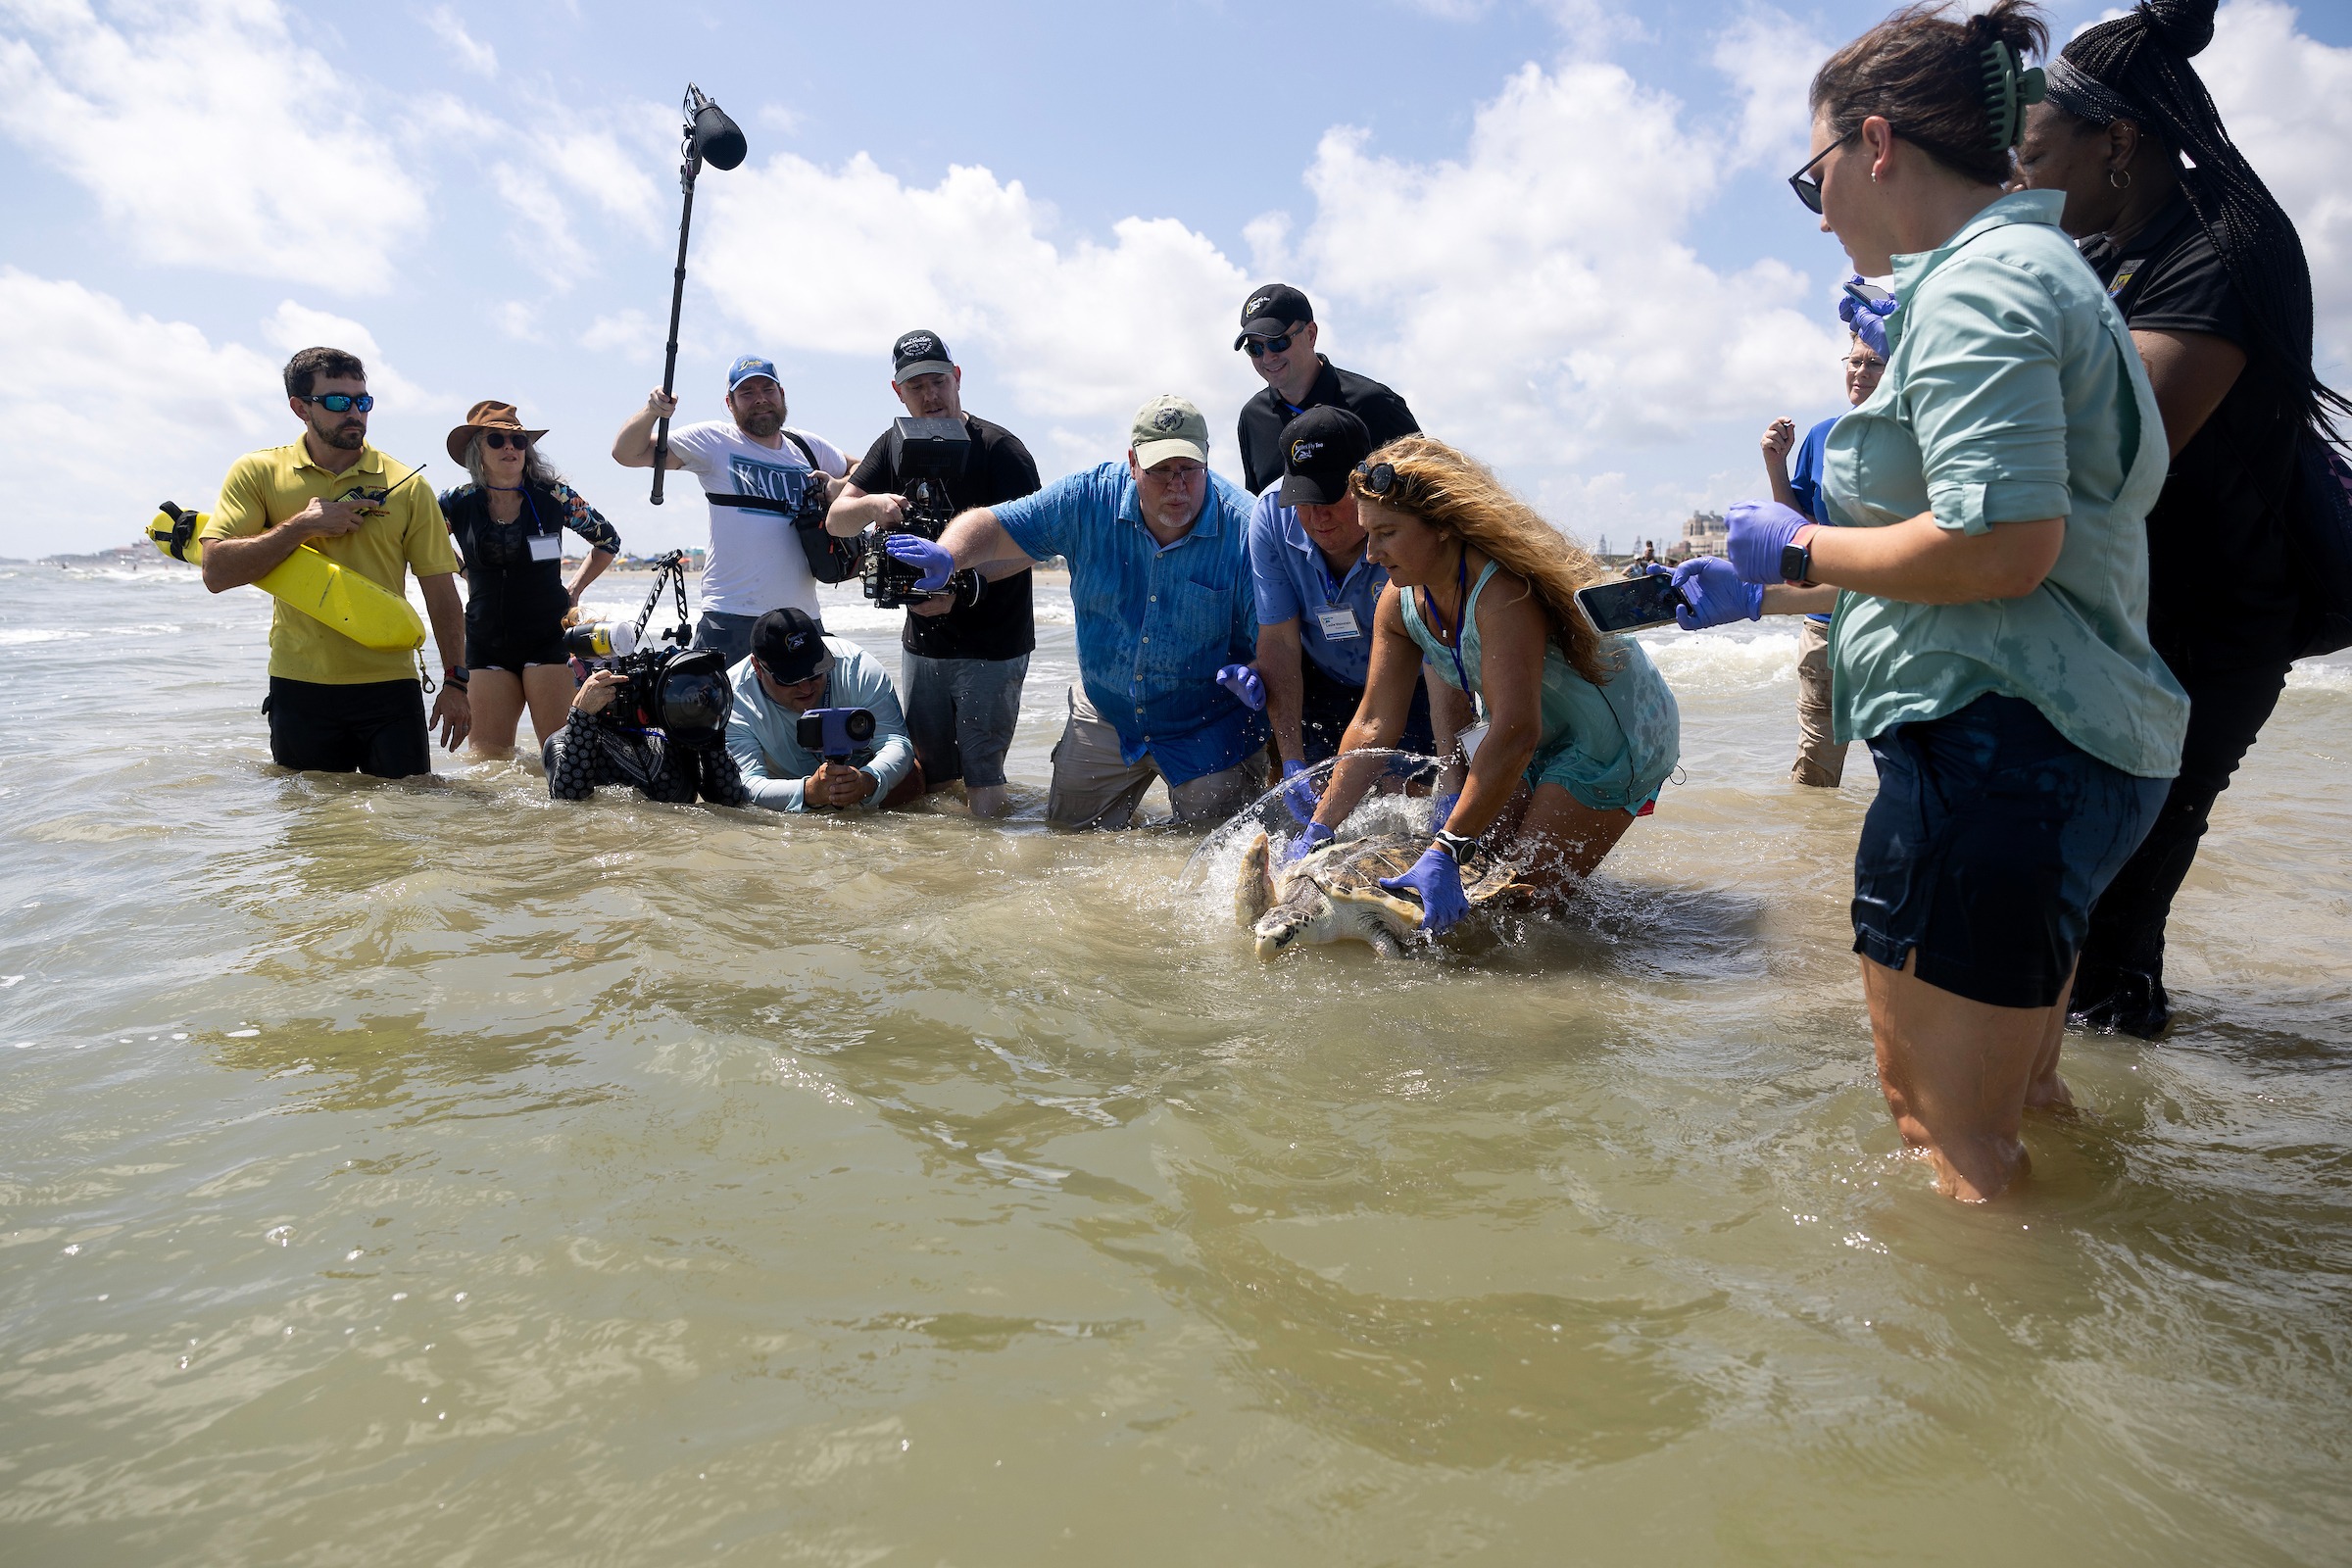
column 1159, row 578
column 1316, row 594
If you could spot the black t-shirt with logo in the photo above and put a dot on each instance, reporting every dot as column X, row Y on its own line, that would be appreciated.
column 1001, row 625
column 2223, row 594
column 1263, row 417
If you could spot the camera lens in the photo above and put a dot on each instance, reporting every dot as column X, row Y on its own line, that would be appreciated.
column 860, row 724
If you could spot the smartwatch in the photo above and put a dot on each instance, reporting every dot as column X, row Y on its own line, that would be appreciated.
column 1796, row 561
column 1457, row 844
column 456, row 675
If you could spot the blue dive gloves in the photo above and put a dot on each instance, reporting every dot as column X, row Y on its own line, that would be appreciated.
column 1713, row 594
column 1310, row 838
column 1439, row 883
column 1243, row 682
column 1760, row 531
column 916, row 551
column 1299, row 796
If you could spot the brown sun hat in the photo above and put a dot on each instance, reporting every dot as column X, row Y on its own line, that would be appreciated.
column 487, row 414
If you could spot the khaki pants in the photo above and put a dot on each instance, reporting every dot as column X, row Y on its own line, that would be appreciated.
column 1819, row 758
column 1094, row 788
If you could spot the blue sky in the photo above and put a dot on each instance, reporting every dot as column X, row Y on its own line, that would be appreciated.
column 1560, row 230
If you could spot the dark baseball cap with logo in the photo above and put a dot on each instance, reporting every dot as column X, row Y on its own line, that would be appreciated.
column 790, row 646
column 1321, row 448
column 1271, row 310
column 919, row 353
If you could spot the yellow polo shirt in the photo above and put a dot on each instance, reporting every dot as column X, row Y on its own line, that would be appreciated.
column 265, row 488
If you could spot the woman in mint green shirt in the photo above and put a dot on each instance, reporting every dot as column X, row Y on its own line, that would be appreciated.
column 1989, row 640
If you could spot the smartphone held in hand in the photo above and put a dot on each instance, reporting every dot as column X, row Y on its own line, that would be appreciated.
column 1630, row 605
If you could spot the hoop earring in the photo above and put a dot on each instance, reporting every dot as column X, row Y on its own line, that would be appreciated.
column 2120, row 183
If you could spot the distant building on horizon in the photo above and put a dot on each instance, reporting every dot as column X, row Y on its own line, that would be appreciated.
column 1705, row 534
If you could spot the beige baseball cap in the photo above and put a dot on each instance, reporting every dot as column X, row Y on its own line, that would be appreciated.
column 1167, row 427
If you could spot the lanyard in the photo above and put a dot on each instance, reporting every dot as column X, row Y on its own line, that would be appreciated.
column 1462, row 588
column 538, row 523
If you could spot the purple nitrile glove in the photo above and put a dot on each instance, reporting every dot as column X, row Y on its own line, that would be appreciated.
column 1310, row 837
column 1243, row 682
column 1298, row 793
column 1439, row 883
column 916, row 551
column 1713, row 594
column 1441, row 806
column 1760, row 531
column 1865, row 315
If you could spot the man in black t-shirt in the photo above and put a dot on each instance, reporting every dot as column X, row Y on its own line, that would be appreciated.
column 1279, row 333
column 966, row 653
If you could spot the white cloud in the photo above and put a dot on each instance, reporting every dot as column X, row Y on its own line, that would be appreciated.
column 841, row 262
column 2287, row 101
column 467, row 50
column 1770, row 59
column 629, row 333
column 204, row 133
column 298, row 326
column 103, row 413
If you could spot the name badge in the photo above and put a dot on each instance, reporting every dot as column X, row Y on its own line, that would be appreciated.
column 547, row 547
column 1468, row 740
column 1338, row 623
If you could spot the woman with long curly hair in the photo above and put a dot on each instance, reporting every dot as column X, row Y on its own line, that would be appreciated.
column 1578, row 730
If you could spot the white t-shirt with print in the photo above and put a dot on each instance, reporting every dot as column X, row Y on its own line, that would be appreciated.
column 757, row 564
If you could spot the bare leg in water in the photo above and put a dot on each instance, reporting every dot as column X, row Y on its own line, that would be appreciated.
column 1959, row 1074
column 1556, row 840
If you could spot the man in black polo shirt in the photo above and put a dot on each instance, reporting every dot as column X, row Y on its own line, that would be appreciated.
column 1279, row 332
column 966, row 653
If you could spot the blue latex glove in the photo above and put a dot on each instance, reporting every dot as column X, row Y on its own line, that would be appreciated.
column 1298, row 793
column 1438, row 882
column 1867, row 318
column 1310, row 837
column 916, row 551
column 1243, row 682
column 1760, row 531
column 1441, row 806
column 1713, row 594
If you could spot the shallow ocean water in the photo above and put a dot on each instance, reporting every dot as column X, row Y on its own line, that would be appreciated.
column 440, row 1174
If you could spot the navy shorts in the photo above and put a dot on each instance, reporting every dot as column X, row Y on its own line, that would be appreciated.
column 1992, row 837
column 1328, row 705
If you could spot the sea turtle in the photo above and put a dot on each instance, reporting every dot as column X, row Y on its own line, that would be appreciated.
column 1334, row 894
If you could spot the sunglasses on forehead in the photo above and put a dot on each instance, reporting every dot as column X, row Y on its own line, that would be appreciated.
column 1381, row 477
column 342, row 402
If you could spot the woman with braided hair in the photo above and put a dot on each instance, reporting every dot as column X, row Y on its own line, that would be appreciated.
column 1989, row 638
column 2210, row 277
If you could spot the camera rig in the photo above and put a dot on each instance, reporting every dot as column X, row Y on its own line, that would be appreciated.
column 672, row 686
column 925, row 455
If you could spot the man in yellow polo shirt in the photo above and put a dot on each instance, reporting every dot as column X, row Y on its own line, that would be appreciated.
column 334, row 706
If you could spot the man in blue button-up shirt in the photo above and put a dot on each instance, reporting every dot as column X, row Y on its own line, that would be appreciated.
column 1316, row 594
column 1160, row 579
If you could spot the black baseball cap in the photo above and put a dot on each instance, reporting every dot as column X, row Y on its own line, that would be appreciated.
column 790, row 645
column 1270, row 310
column 1321, row 448
column 920, row 352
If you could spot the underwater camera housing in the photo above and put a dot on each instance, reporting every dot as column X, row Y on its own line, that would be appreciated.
column 925, row 454
column 682, row 691
column 834, row 733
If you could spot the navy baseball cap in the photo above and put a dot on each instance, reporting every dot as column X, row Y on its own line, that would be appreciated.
column 1271, row 310
column 1321, row 448
column 750, row 365
column 790, row 646
column 919, row 353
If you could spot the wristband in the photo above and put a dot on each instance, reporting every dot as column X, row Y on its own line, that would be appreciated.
column 456, row 675
column 1457, row 844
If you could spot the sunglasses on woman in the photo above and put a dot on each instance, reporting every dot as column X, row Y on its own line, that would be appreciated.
column 1257, row 347
column 342, row 402
column 499, row 441
column 1380, row 477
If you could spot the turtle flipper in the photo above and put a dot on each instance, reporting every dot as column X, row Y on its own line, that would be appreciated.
column 1254, row 887
column 1371, row 915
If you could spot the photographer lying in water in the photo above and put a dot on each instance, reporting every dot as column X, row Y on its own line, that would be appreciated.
column 817, row 724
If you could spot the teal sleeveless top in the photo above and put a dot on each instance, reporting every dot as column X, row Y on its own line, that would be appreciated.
column 1609, row 747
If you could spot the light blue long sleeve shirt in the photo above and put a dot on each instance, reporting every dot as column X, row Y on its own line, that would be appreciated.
column 1154, row 623
column 762, row 731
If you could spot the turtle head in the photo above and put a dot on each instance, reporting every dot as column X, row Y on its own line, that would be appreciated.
column 1278, row 929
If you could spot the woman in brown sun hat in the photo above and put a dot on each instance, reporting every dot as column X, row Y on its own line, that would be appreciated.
column 508, row 524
